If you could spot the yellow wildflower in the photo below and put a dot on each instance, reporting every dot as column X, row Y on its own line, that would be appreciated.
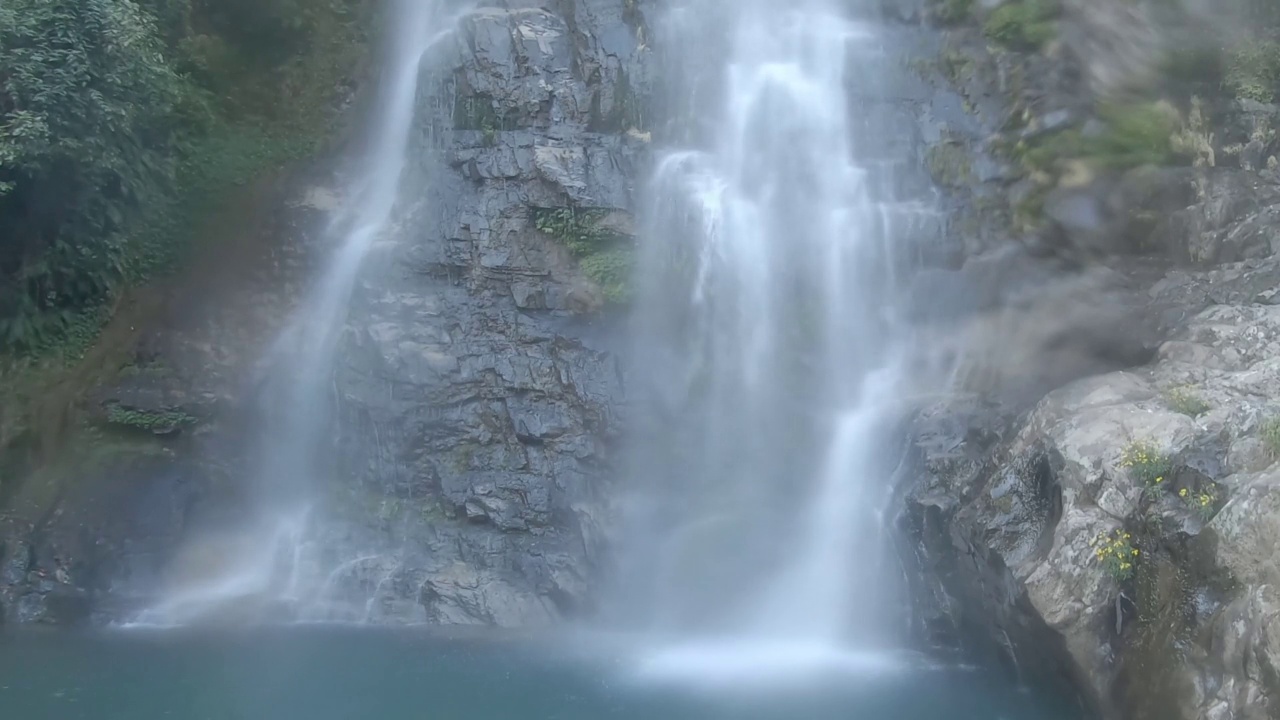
column 1182, row 492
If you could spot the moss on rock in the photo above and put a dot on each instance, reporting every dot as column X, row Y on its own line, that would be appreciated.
column 949, row 164
column 156, row 422
column 951, row 12
column 1025, row 25
column 605, row 255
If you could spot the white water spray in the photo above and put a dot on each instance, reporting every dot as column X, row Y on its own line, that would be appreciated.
column 249, row 572
column 767, row 323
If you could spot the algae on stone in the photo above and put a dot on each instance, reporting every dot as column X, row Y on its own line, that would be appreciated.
column 605, row 255
column 1025, row 25
column 949, row 164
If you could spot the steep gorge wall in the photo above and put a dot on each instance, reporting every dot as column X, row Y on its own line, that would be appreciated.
column 480, row 386
column 1117, row 214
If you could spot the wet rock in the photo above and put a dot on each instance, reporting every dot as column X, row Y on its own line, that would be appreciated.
column 482, row 386
column 1069, row 475
column 1232, row 219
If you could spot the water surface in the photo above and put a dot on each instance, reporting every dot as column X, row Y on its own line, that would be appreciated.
column 327, row 673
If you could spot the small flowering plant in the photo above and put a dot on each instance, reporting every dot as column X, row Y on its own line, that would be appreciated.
column 1202, row 501
column 1116, row 554
column 1146, row 465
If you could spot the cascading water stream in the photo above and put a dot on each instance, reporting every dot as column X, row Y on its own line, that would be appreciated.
column 771, row 264
column 263, row 566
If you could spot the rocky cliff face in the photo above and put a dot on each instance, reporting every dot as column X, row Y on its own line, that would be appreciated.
column 157, row 443
column 480, row 390
column 1122, row 516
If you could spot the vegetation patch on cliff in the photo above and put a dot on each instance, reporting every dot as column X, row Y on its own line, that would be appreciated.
column 157, row 422
column 1024, row 25
column 129, row 129
column 1186, row 400
column 949, row 164
column 1253, row 70
column 951, row 12
column 126, row 122
column 1129, row 135
column 605, row 255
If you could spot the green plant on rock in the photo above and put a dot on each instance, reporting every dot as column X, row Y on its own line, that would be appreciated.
column 1116, row 553
column 113, row 116
column 1253, row 70
column 1146, row 465
column 159, row 422
column 1203, row 502
column 1270, row 434
column 605, row 256
column 1132, row 135
column 1024, row 25
column 948, row 164
column 952, row 12
column 1136, row 134
column 1186, row 400
column 85, row 97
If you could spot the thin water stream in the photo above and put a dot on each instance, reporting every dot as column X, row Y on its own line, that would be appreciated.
column 267, row 565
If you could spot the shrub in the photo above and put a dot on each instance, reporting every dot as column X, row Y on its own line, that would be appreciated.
column 1135, row 134
column 1271, row 436
column 1116, row 553
column 1203, row 502
column 1146, row 465
column 1186, row 400
column 1132, row 135
column 1022, row 24
column 123, row 122
column 84, row 146
column 1253, row 70
column 952, row 12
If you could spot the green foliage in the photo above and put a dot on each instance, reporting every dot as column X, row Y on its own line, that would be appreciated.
column 1187, row 401
column 1253, row 70
column 1271, row 436
column 952, row 12
column 1203, row 502
column 606, row 257
column 1116, row 554
column 1136, row 134
column 1022, row 24
column 955, row 67
column 158, row 422
column 124, row 125
column 1132, row 135
column 84, row 146
column 948, row 164
column 611, row 270
column 1146, row 464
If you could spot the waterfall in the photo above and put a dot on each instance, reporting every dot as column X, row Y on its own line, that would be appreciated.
column 773, row 359
column 265, row 566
